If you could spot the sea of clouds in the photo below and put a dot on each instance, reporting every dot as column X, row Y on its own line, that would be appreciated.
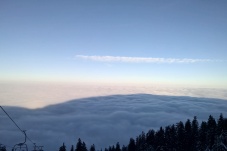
column 103, row 120
column 37, row 95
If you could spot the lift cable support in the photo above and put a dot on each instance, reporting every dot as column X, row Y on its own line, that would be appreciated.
column 21, row 145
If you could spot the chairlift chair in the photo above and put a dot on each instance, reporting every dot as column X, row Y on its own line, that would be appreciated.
column 21, row 146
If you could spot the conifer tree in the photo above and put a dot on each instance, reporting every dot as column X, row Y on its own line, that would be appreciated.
column 150, row 137
column 131, row 145
column 188, row 136
column 141, row 141
column 202, row 136
column 62, row 148
column 159, row 139
column 72, row 148
column 118, row 148
column 110, row 148
column 195, row 133
column 113, row 148
column 220, row 125
column 84, row 148
column 180, row 136
column 80, row 146
column 92, row 148
column 124, row 148
column 170, row 138
column 211, row 131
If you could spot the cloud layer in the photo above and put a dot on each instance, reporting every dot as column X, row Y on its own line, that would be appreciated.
column 139, row 59
column 103, row 120
column 34, row 95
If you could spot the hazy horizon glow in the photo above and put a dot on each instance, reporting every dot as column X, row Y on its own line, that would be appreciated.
column 36, row 95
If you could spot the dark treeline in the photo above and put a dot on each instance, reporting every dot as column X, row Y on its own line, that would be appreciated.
column 189, row 136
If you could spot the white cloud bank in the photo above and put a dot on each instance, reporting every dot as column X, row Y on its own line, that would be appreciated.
column 103, row 120
column 140, row 59
column 34, row 95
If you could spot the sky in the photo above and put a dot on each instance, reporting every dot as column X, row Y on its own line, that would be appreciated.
column 174, row 42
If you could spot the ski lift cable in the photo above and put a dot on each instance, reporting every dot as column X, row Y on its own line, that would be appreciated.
column 16, row 125
column 12, row 120
column 30, row 140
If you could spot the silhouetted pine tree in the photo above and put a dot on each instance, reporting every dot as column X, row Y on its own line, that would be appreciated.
column 170, row 138
column 124, row 148
column 131, row 145
column 62, row 148
column 188, row 136
column 159, row 139
column 150, row 137
column 110, row 148
column 141, row 142
column 84, row 148
column 195, row 133
column 225, row 124
column 202, row 144
column 220, row 125
column 72, row 148
column 80, row 146
column 92, row 148
column 180, row 136
column 113, row 148
column 138, row 142
column 211, row 131
column 118, row 148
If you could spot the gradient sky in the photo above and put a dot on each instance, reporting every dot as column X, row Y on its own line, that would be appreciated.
column 70, row 41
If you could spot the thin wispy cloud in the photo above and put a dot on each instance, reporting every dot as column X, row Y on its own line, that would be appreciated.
column 140, row 59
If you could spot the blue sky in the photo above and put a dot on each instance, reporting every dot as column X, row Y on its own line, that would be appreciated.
column 41, row 41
